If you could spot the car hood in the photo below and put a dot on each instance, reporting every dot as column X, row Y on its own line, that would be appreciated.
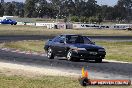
column 87, row 46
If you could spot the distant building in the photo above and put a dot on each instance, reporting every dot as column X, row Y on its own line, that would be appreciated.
column 2, row 1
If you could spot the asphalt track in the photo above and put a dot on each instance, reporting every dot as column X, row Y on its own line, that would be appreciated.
column 124, row 69
column 43, row 37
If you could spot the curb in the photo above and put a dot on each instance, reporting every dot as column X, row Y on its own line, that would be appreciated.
column 23, row 52
column 118, row 61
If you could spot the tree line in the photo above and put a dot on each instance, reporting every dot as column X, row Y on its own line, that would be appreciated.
column 69, row 10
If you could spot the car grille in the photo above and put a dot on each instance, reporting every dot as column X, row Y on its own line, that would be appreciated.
column 92, row 50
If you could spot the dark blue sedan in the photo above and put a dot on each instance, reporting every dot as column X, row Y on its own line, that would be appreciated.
column 8, row 21
column 74, row 47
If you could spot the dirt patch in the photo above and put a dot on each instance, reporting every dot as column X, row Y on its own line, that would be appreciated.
column 33, row 71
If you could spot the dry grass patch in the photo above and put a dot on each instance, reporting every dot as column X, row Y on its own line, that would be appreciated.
column 33, row 30
column 120, row 51
column 45, row 82
column 36, row 46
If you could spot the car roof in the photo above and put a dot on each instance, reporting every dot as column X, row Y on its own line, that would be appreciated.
column 70, row 35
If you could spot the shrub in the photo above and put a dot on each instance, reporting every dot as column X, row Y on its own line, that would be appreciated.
column 75, row 18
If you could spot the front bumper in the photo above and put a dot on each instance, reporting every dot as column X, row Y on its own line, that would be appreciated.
column 88, row 55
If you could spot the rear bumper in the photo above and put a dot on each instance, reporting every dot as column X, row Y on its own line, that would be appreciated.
column 88, row 55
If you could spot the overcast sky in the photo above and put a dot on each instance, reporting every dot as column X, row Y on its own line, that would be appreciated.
column 103, row 2
column 107, row 2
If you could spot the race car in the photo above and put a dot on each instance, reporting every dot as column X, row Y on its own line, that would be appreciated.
column 8, row 21
column 74, row 48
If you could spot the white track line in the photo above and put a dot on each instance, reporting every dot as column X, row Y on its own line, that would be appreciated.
column 117, row 61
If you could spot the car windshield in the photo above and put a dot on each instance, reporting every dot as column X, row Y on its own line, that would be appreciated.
column 73, row 39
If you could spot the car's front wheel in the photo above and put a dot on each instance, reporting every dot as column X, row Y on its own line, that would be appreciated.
column 50, row 54
column 69, row 55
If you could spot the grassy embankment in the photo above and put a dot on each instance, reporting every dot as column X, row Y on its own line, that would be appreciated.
column 120, row 51
column 45, row 82
column 55, row 81
column 115, row 50
column 32, row 30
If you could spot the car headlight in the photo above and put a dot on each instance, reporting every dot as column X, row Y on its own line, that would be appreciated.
column 81, row 48
column 78, row 49
column 101, row 50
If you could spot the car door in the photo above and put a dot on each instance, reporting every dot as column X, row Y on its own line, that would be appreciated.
column 7, row 21
column 55, row 45
column 59, row 46
column 62, row 46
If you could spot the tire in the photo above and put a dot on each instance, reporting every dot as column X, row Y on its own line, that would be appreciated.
column 50, row 54
column 98, row 60
column 15, row 24
column 69, row 56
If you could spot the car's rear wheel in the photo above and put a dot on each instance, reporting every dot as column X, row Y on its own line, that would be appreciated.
column 98, row 60
column 69, row 55
column 50, row 54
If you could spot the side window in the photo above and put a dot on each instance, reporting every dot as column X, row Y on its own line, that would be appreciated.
column 60, row 38
column 74, row 39
column 56, row 39
column 79, row 39
column 87, row 40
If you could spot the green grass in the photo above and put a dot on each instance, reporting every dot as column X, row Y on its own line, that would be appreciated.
column 120, row 51
column 36, row 46
column 33, row 30
column 45, row 82
column 47, row 20
column 115, row 50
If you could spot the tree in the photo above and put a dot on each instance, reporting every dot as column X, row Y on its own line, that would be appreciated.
column 77, row 10
column 9, row 9
column 21, row 13
column 92, row 7
column 92, row 19
column 57, row 5
column 19, row 8
column 99, row 18
column 68, row 8
column 29, row 8
column 75, row 18
column 39, row 8
column 83, row 19
column 1, row 10
column 65, row 20
column 127, row 6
